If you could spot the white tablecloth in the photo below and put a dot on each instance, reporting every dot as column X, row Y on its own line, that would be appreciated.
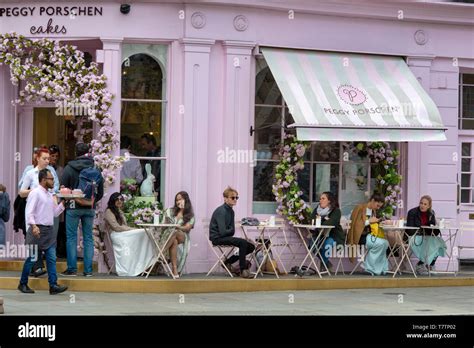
column 133, row 252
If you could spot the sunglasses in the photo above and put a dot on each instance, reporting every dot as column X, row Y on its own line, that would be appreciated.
column 234, row 198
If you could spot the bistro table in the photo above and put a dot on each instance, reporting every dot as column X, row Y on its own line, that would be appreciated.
column 451, row 238
column 266, row 244
column 315, row 246
column 405, row 246
column 158, row 249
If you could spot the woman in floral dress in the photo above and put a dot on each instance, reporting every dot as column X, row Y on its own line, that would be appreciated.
column 178, row 246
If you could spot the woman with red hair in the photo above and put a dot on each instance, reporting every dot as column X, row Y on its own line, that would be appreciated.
column 30, row 180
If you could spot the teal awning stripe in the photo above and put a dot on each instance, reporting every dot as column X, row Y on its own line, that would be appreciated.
column 338, row 96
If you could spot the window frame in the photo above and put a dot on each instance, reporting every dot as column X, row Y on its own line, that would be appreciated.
column 312, row 162
column 163, row 63
column 460, row 106
column 470, row 172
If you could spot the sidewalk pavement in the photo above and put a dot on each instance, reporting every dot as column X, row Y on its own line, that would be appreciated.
column 400, row 301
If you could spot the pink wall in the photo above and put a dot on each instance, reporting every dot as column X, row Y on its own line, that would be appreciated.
column 218, row 94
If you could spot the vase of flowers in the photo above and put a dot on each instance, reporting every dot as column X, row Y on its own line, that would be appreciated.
column 140, row 212
column 129, row 187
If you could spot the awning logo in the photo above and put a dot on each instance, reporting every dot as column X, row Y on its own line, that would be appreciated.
column 351, row 95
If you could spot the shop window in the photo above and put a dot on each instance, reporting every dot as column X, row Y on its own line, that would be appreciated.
column 326, row 166
column 144, row 108
column 466, row 101
column 466, row 174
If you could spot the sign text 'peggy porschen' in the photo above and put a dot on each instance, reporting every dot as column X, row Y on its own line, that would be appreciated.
column 50, row 11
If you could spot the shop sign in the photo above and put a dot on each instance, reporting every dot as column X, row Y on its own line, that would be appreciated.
column 50, row 11
column 355, row 97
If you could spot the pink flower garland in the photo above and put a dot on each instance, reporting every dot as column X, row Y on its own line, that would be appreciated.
column 50, row 71
column 285, row 188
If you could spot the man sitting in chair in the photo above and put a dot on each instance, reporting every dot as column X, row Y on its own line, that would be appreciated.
column 222, row 229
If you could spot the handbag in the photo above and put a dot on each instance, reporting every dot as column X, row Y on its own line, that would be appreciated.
column 249, row 221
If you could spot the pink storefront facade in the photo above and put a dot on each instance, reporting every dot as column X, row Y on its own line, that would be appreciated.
column 209, row 53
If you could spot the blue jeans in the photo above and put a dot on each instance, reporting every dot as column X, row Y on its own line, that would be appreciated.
column 50, row 255
column 73, row 216
column 327, row 245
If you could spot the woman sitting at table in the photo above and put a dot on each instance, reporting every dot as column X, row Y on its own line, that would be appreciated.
column 330, row 214
column 427, row 248
column 178, row 245
column 365, row 230
column 133, row 251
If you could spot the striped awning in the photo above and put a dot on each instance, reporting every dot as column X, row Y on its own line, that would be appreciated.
column 353, row 97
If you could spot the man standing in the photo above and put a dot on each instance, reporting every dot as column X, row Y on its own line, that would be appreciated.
column 76, row 212
column 54, row 154
column 148, row 143
column 59, row 223
column 41, row 208
column 132, row 168
column 4, row 212
column 222, row 229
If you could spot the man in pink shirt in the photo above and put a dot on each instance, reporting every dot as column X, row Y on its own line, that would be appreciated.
column 41, row 209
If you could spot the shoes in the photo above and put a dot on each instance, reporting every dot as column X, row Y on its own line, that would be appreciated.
column 68, row 273
column 39, row 272
column 328, row 265
column 245, row 274
column 57, row 289
column 87, row 274
column 229, row 267
column 299, row 272
column 24, row 288
column 421, row 269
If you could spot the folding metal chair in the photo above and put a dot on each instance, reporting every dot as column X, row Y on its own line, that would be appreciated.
column 360, row 261
column 107, row 250
column 346, row 226
column 469, row 228
column 222, row 252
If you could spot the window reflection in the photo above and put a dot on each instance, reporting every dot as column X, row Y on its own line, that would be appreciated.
column 141, row 78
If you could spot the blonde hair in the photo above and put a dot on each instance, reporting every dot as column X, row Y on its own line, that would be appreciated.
column 3, row 188
column 228, row 191
column 428, row 198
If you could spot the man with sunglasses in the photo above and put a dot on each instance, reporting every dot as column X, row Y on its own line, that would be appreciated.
column 222, row 230
column 41, row 208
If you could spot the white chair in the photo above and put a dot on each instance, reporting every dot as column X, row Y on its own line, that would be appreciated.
column 466, row 228
column 107, row 251
column 346, row 225
column 222, row 252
